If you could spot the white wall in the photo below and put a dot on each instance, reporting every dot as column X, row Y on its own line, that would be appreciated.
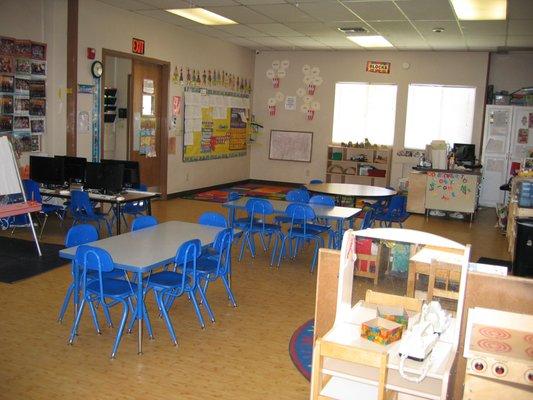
column 448, row 68
column 511, row 71
column 104, row 26
column 44, row 21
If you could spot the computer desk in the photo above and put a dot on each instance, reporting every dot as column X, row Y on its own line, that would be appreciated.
column 116, row 201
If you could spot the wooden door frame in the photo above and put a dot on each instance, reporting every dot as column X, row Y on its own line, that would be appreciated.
column 163, row 117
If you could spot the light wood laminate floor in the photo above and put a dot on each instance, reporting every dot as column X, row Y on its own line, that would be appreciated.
column 244, row 355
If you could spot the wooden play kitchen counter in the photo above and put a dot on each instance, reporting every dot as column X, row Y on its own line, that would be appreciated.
column 444, row 190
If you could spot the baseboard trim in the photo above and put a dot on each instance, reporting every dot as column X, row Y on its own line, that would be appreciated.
column 229, row 184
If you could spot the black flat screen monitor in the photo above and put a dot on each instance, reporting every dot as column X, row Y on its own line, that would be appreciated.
column 465, row 154
column 94, row 176
column 113, row 177
column 74, row 168
column 47, row 170
column 132, row 176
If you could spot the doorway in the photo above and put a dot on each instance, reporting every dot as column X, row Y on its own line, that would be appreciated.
column 138, row 131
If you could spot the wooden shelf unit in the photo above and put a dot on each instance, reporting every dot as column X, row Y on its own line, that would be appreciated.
column 348, row 170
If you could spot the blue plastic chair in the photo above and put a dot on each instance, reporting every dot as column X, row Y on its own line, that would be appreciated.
column 134, row 208
column 168, row 285
column 293, row 196
column 315, row 181
column 82, row 210
column 76, row 236
column 303, row 228
column 258, row 210
column 217, row 266
column 32, row 193
column 211, row 218
column 142, row 222
column 394, row 212
column 101, row 289
column 322, row 200
column 368, row 220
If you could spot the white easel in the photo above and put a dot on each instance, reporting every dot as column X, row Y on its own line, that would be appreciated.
column 10, row 183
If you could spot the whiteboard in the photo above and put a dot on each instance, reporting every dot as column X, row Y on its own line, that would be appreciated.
column 9, row 181
column 291, row 145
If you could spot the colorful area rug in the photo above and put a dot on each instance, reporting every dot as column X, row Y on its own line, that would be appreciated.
column 246, row 189
column 301, row 348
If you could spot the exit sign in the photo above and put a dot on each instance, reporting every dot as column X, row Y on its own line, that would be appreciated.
column 137, row 46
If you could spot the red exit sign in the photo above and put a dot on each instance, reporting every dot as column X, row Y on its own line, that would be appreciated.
column 137, row 46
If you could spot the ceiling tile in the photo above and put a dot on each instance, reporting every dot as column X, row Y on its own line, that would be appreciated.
column 484, row 27
column 520, row 41
column 240, row 30
column 310, row 28
column 132, row 5
column 211, row 3
column 520, row 9
column 283, row 12
column 426, row 28
column 240, row 14
column 393, row 27
column 521, row 27
column 168, row 17
column 303, row 41
column 413, row 47
column 446, row 42
column 406, row 40
column 376, row 11
column 325, row 11
column 430, row 10
column 274, row 29
column 271, row 42
column 258, row 2
column 485, row 42
column 243, row 42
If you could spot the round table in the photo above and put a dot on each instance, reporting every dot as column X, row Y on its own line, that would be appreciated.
column 350, row 190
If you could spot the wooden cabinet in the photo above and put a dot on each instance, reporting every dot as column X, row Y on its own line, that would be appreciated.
column 359, row 165
column 416, row 198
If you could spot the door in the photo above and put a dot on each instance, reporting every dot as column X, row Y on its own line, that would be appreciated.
column 145, row 134
column 496, row 139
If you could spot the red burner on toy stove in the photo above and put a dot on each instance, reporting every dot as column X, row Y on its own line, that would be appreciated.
column 529, row 339
column 495, row 333
column 494, row 346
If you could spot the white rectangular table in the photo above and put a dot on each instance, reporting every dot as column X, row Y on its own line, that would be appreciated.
column 339, row 214
column 146, row 249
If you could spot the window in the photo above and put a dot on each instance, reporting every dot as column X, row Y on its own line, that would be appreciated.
column 439, row 113
column 362, row 111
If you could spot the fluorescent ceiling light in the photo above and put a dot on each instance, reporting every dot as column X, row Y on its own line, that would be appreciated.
column 202, row 16
column 482, row 10
column 370, row 41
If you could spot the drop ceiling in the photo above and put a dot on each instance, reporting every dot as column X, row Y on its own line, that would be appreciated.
column 312, row 24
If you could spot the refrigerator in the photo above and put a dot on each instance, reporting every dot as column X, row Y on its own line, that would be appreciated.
column 507, row 140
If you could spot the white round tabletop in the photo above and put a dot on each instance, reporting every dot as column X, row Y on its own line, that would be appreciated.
column 350, row 189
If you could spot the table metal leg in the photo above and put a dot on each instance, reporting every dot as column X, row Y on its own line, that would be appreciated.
column 149, row 206
column 34, row 235
column 140, row 311
column 119, row 216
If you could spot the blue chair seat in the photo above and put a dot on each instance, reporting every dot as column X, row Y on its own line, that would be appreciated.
column 207, row 264
column 115, row 274
column 168, row 279
column 112, row 287
column 50, row 208
column 317, row 228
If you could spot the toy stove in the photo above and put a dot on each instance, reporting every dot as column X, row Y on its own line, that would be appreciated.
column 500, row 352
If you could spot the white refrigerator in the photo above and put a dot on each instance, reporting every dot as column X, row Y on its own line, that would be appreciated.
column 507, row 139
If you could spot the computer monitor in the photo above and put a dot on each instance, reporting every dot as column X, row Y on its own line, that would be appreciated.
column 47, row 170
column 113, row 177
column 94, row 176
column 132, row 176
column 74, row 168
column 465, row 154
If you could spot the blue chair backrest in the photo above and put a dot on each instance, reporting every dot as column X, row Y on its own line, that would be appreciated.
column 81, row 234
column 212, row 218
column 301, row 215
column 81, row 204
column 322, row 200
column 397, row 204
column 142, row 222
column 186, row 257
column 31, row 188
column 233, row 196
column 297, row 196
column 94, row 258
column 259, row 206
column 222, row 245
column 368, row 221
column 315, row 181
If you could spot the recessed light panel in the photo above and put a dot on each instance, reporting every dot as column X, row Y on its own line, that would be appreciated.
column 202, row 16
column 480, row 10
column 370, row 41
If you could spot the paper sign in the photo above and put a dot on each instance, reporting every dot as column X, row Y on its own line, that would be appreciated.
column 290, row 103
column 148, row 86
column 176, row 105
column 378, row 67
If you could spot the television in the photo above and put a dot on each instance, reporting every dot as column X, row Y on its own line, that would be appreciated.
column 47, row 170
column 465, row 154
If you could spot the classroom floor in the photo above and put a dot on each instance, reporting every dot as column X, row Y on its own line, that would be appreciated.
column 244, row 355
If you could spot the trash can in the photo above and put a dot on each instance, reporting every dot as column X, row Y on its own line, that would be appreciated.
column 523, row 256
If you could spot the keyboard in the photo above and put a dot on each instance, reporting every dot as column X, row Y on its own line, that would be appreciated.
column 47, row 191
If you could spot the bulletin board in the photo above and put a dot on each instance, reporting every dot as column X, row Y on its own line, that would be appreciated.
column 451, row 191
column 291, row 145
column 215, row 124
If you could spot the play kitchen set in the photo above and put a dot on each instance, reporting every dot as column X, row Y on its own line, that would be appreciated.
column 387, row 343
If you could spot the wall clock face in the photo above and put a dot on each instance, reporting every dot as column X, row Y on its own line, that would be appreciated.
column 97, row 69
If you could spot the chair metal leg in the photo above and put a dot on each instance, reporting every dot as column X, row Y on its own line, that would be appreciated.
column 197, row 310
column 43, row 225
column 228, row 290
column 120, row 330
column 108, row 319
column 74, row 329
column 206, row 304
column 164, row 313
column 64, row 306
column 95, row 318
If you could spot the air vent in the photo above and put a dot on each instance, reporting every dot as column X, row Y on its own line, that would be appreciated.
column 351, row 31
